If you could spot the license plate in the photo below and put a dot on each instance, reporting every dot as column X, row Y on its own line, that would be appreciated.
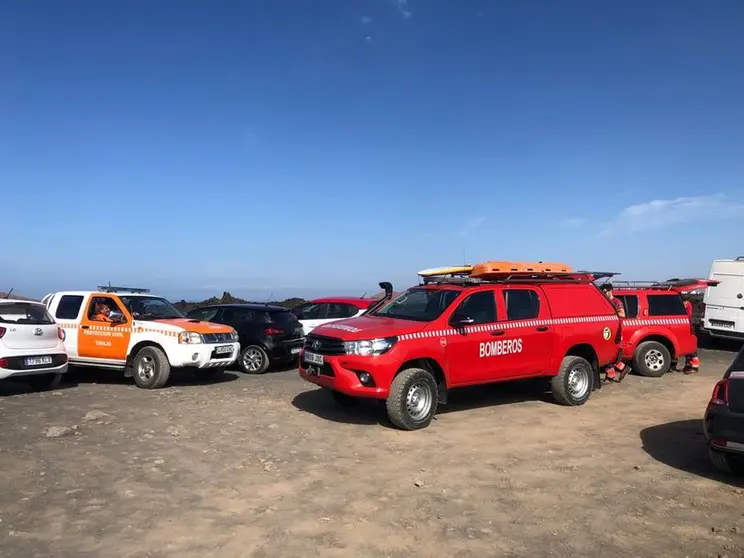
column 721, row 324
column 295, row 350
column 223, row 350
column 313, row 358
column 38, row 361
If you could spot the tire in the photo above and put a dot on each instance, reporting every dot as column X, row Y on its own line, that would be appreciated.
column 410, row 387
column 652, row 359
column 342, row 399
column 44, row 382
column 726, row 463
column 151, row 368
column 253, row 360
column 574, row 382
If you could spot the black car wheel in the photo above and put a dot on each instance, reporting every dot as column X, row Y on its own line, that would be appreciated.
column 253, row 360
column 726, row 463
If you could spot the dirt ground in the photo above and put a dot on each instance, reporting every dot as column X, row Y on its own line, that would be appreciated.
column 267, row 466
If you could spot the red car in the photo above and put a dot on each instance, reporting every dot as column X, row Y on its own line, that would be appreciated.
column 657, row 329
column 462, row 331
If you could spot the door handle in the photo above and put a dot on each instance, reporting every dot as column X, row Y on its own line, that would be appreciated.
column 498, row 332
column 84, row 327
column 542, row 328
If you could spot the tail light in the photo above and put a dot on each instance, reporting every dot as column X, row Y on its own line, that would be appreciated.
column 720, row 393
column 2, row 332
column 61, row 333
column 3, row 362
column 272, row 331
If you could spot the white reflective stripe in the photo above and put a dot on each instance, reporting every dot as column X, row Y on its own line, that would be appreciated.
column 735, row 446
column 508, row 325
column 736, row 375
column 656, row 321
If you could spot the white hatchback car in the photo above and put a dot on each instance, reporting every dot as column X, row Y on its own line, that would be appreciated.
column 31, row 344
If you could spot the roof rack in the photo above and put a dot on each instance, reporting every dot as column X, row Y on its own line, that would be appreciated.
column 111, row 289
column 580, row 276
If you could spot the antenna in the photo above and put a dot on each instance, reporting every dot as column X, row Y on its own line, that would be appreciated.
column 7, row 295
column 269, row 299
column 365, row 292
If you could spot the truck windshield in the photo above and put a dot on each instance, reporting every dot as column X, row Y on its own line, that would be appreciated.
column 151, row 308
column 419, row 304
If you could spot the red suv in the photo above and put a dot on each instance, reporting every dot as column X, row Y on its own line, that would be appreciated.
column 657, row 329
column 460, row 331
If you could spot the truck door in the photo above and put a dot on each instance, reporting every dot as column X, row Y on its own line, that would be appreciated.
column 527, row 324
column 468, row 354
column 66, row 310
column 724, row 303
column 102, row 340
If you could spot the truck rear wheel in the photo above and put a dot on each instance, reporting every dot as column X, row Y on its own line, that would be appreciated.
column 652, row 359
column 413, row 399
column 151, row 368
column 574, row 382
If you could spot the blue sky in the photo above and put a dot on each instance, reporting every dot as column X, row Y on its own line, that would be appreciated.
column 320, row 146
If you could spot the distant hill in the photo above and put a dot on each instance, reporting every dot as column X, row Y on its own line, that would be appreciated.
column 227, row 298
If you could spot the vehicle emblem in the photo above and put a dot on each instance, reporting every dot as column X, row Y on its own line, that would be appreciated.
column 316, row 344
column 443, row 342
column 38, row 331
column 606, row 333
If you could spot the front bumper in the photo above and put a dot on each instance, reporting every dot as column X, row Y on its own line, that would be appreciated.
column 203, row 355
column 17, row 367
column 342, row 373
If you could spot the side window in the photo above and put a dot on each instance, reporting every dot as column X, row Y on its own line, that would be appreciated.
column 337, row 311
column 630, row 302
column 481, row 307
column 521, row 304
column 665, row 305
column 314, row 312
column 100, row 308
column 204, row 314
column 238, row 317
column 69, row 307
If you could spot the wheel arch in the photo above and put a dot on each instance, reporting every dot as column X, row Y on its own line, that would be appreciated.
column 588, row 353
column 434, row 368
column 136, row 349
column 664, row 340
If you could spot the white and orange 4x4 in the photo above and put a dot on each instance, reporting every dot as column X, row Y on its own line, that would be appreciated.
column 141, row 334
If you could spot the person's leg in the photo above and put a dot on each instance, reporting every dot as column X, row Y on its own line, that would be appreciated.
column 692, row 364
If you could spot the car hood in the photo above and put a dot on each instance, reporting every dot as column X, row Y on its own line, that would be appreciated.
column 368, row 327
column 196, row 326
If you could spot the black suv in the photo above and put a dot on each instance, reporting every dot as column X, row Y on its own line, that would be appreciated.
column 268, row 334
column 724, row 420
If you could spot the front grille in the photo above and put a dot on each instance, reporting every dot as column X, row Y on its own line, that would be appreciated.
column 211, row 338
column 323, row 345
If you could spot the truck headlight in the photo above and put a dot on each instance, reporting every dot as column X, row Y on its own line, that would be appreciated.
column 234, row 335
column 190, row 337
column 369, row 346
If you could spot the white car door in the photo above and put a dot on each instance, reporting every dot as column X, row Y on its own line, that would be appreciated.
column 66, row 310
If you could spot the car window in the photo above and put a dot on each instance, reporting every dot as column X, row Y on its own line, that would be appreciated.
column 238, row 317
column 313, row 312
column 101, row 307
column 204, row 314
column 337, row 311
column 630, row 302
column 280, row 317
column 419, row 304
column 481, row 307
column 69, row 307
column 666, row 305
column 24, row 313
column 521, row 304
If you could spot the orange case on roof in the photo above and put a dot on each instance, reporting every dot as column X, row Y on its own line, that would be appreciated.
column 506, row 268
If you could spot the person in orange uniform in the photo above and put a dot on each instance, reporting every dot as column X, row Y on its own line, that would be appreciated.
column 615, row 372
column 103, row 313
column 692, row 362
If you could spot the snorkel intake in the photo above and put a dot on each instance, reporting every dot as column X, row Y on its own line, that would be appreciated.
column 388, row 288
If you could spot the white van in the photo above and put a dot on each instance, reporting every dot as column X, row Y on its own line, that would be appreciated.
column 724, row 305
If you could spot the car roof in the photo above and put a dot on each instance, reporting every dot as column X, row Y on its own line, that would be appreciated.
column 18, row 301
column 247, row 306
column 647, row 290
column 354, row 301
column 101, row 293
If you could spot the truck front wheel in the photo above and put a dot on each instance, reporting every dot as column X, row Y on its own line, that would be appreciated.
column 151, row 368
column 413, row 399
